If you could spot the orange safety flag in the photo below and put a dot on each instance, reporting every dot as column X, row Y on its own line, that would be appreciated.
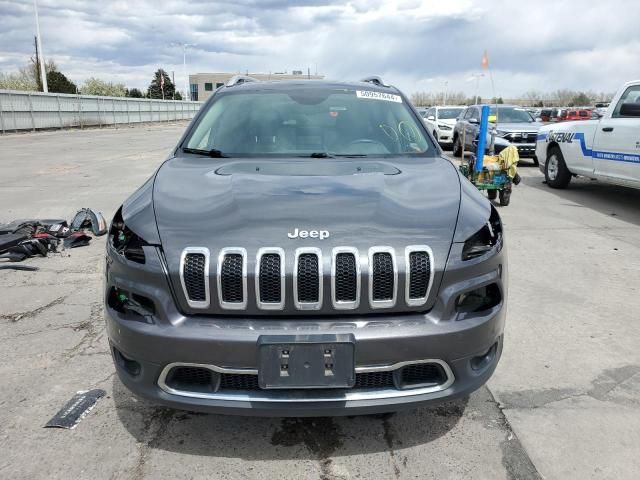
column 485, row 60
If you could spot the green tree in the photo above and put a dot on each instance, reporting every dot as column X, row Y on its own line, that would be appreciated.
column 178, row 95
column 59, row 83
column 156, row 89
column 135, row 93
column 580, row 100
column 95, row 86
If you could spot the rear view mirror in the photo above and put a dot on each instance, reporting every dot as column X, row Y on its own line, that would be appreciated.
column 630, row 109
column 431, row 118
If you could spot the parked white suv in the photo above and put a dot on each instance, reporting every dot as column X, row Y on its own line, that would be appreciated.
column 441, row 120
column 607, row 149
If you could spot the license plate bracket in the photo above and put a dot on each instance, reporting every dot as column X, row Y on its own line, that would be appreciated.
column 306, row 361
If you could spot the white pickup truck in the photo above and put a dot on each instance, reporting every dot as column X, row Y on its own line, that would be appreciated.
column 607, row 149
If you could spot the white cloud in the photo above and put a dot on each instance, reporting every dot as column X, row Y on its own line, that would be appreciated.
column 543, row 45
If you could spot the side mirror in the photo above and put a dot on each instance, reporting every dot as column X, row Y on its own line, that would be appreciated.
column 630, row 109
column 474, row 121
column 431, row 118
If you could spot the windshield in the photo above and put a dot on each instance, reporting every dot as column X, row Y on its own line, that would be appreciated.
column 304, row 121
column 448, row 113
column 511, row 115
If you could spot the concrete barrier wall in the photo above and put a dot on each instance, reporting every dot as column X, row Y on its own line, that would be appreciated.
column 35, row 110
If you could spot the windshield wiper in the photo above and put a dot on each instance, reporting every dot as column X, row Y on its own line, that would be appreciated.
column 320, row 155
column 352, row 155
column 214, row 152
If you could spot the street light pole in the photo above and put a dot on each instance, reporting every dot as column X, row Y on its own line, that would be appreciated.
column 184, row 46
column 43, row 73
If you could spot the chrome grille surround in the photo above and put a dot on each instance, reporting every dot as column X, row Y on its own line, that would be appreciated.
column 223, row 253
column 392, row 301
column 329, row 395
column 416, row 302
column 202, row 251
column 308, row 305
column 342, row 304
column 270, row 305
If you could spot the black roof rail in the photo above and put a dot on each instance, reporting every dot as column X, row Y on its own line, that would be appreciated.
column 240, row 79
column 376, row 80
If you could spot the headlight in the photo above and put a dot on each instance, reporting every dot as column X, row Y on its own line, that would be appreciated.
column 501, row 133
column 484, row 239
column 444, row 127
column 124, row 241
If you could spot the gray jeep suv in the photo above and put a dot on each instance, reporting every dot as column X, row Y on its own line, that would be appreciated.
column 305, row 250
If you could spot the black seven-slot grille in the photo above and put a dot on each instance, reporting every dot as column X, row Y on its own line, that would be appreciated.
column 269, row 278
column 194, row 276
column 346, row 275
column 381, row 265
column 383, row 286
column 419, row 274
column 308, row 278
column 231, row 278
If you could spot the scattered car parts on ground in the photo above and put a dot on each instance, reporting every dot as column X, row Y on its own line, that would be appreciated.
column 21, row 239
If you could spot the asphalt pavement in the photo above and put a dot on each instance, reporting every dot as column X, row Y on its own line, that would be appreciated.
column 564, row 402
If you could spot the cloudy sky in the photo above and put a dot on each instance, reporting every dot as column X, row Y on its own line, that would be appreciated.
column 416, row 45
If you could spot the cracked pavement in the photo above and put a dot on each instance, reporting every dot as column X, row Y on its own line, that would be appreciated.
column 563, row 403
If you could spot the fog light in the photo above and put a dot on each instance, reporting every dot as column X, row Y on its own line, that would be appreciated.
column 483, row 361
column 129, row 365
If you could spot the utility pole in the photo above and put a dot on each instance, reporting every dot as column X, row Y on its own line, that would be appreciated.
column 43, row 68
column 187, row 92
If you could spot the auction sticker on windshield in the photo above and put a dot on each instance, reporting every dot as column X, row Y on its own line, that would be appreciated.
column 387, row 97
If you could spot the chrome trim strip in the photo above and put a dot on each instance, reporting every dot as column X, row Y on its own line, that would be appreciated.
column 415, row 302
column 383, row 303
column 270, row 305
column 331, row 395
column 345, row 305
column 308, row 305
column 232, row 305
column 204, row 251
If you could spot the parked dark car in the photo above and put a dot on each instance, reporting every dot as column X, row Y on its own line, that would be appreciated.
column 513, row 124
column 305, row 250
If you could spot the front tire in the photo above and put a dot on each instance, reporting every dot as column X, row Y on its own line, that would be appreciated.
column 505, row 197
column 556, row 172
column 535, row 161
column 457, row 146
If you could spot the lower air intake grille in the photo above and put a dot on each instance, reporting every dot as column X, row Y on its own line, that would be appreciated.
column 423, row 374
column 420, row 272
column 346, row 277
column 270, row 280
column 194, row 280
column 308, row 278
column 383, row 276
column 235, row 381
column 192, row 379
column 374, row 380
column 231, row 278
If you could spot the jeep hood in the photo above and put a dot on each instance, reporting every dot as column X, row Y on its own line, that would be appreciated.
column 217, row 203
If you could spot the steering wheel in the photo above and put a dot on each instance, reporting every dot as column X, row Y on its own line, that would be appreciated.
column 389, row 132
column 366, row 141
column 408, row 131
column 367, row 146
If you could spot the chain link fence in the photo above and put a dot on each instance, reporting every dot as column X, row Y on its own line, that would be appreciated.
column 35, row 110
